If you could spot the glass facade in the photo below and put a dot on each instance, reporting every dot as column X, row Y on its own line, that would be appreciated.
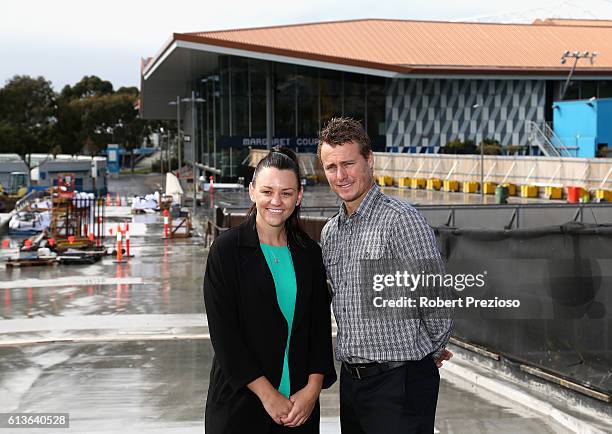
column 584, row 89
column 302, row 100
column 239, row 119
column 257, row 75
column 285, row 100
column 307, row 94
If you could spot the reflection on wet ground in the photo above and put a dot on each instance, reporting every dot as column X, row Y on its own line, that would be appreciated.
column 149, row 386
column 171, row 273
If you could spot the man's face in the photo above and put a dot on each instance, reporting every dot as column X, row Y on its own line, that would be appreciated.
column 348, row 172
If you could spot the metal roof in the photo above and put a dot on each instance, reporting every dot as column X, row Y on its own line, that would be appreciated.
column 574, row 22
column 421, row 47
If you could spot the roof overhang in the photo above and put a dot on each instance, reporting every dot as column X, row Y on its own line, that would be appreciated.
column 271, row 54
column 185, row 58
column 223, row 47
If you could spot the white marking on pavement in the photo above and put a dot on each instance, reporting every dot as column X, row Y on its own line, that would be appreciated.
column 71, row 281
column 102, row 322
column 113, row 338
column 114, row 328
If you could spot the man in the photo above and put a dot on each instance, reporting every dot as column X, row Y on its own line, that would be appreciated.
column 389, row 378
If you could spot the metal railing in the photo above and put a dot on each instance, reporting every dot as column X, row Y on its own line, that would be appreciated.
column 464, row 216
column 554, row 138
column 544, row 138
column 27, row 199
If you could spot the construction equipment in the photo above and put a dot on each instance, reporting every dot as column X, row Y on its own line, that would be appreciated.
column 64, row 186
column 17, row 188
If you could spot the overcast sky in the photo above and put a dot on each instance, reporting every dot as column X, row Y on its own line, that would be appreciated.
column 64, row 40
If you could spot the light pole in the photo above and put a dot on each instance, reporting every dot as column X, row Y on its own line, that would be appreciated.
column 193, row 100
column 213, row 79
column 161, row 156
column 576, row 55
column 177, row 103
column 205, row 82
column 475, row 107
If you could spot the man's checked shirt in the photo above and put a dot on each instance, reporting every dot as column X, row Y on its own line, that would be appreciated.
column 381, row 228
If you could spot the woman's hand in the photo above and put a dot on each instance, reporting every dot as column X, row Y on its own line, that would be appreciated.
column 275, row 404
column 304, row 401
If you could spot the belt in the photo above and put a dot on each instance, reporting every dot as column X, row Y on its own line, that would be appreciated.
column 365, row 370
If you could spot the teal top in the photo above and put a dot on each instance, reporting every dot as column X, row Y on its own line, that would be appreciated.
column 280, row 264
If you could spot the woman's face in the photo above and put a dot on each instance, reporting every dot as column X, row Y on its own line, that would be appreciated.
column 276, row 193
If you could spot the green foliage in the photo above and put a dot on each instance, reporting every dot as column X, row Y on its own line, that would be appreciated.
column 491, row 147
column 89, row 86
column 456, row 146
column 82, row 118
column 102, row 119
column 27, row 115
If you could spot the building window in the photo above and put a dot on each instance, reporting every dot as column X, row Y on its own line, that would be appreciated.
column 257, row 71
column 307, row 87
column 355, row 96
column 331, row 94
column 240, row 96
column 588, row 89
column 605, row 89
column 223, row 110
column 375, row 121
column 284, row 100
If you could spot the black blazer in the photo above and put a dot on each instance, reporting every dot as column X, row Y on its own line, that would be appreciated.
column 249, row 332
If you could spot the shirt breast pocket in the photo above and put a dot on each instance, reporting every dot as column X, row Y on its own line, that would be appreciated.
column 373, row 251
column 331, row 260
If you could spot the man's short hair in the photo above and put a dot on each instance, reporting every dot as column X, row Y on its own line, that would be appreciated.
column 338, row 131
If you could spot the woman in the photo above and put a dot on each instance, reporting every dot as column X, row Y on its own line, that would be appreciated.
column 267, row 303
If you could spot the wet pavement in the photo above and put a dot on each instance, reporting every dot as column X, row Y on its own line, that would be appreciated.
column 125, row 347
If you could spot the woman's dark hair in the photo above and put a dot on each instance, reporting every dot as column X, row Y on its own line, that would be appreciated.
column 283, row 159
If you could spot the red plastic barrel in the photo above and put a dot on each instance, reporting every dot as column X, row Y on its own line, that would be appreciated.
column 573, row 194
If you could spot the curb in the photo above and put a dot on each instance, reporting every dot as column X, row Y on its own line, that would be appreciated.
column 464, row 376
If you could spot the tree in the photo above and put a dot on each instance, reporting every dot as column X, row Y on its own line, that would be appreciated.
column 82, row 118
column 91, row 115
column 27, row 115
column 491, row 147
column 456, row 146
column 87, row 87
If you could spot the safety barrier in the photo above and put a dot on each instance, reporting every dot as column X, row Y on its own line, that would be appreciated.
column 489, row 187
column 418, row 183
column 434, row 184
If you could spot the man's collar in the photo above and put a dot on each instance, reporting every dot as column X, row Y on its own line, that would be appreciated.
column 366, row 204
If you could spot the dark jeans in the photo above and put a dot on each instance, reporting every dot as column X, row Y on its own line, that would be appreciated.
column 401, row 400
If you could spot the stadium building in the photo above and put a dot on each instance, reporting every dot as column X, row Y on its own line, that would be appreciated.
column 416, row 85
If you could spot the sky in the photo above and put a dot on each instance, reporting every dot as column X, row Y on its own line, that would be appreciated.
column 64, row 40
